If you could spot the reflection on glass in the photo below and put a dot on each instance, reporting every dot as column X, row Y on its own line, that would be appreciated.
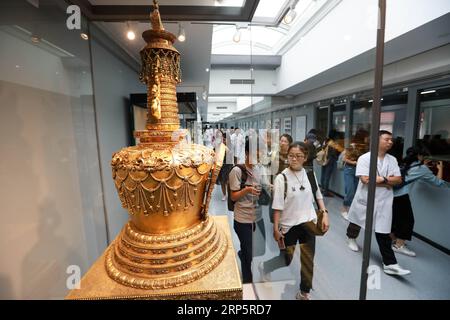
column 48, row 135
column 434, row 126
column 392, row 119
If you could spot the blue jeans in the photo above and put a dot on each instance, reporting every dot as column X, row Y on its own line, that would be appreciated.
column 327, row 171
column 351, row 183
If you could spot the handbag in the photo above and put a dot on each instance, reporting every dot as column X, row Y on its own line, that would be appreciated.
column 322, row 156
column 264, row 197
column 314, row 228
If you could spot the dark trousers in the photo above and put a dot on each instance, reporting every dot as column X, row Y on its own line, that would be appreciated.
column 245, row 233
column 402, row 218
column 327, row 171
column 384, row 243
column 300, row 234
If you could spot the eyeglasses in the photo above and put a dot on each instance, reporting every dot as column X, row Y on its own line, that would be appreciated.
column 296, row 156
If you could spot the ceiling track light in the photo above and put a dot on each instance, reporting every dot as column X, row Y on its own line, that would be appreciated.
column 291, row 14
column 237, row 35
column 35, row 38
column 130, row 33
column 181, row 33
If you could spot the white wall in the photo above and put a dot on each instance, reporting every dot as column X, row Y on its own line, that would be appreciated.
column 265, row 82
column 212, row 110
column 426, row 64
column 114, row 81
column 349, row 30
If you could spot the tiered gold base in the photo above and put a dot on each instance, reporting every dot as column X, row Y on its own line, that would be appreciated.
column 221, row 282
column 164, row 261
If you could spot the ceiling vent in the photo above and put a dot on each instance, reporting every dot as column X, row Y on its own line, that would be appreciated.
column 242, row 81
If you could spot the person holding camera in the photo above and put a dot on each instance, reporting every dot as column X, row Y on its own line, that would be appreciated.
column 413, row 169
column 293, row 209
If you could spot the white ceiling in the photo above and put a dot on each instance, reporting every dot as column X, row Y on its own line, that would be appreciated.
column 195, row 51
column 237, row 3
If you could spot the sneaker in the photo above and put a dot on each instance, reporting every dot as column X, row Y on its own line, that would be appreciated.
column 404, row 250
column 344, row 215
column 352, row 244
column 224, row 198
column 303, row 296
column 265, row 276
column 395, row 269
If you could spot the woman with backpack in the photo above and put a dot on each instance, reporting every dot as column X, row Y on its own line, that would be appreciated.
column 245, row 187
column 293, row 209
column 413, row 169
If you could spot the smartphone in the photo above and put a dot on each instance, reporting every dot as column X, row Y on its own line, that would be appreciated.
column 281, row 244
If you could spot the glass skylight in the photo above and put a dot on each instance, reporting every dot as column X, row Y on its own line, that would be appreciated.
column 229, row 3
column 268, row 11
column 256, row 40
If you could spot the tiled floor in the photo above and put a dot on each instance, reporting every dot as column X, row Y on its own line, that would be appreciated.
column 337, row 270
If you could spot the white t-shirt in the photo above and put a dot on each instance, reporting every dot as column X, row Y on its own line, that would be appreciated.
column 298, row 207
column 240, row 148
column 246, row 209
column 232, row 146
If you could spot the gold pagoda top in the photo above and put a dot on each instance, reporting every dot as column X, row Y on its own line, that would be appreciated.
column 161, row 73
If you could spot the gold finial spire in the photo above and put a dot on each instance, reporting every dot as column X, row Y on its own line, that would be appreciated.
column 155, row 17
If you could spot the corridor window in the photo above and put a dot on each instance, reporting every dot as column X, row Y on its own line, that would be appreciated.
column 434, row 126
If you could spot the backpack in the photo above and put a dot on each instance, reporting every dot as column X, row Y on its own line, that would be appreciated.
column 243, row 180
column 404, row 172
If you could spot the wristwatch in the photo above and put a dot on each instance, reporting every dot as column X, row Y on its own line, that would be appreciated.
column 385, row 180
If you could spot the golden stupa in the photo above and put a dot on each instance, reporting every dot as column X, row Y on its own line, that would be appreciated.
column 171, row 247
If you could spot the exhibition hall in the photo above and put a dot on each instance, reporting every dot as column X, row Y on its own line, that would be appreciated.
column 225, row 150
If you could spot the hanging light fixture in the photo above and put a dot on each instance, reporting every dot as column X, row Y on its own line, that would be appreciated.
column 291, row 14
column 35, row 38
column 181, row 33
column 237, row 35
column 130, row 33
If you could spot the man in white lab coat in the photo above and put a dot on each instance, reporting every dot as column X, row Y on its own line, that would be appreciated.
column 388, row 175
column 232, row 145
column 239, row 146
column 208, row 137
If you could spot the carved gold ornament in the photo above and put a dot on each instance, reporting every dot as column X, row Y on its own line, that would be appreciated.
column 165, row 184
